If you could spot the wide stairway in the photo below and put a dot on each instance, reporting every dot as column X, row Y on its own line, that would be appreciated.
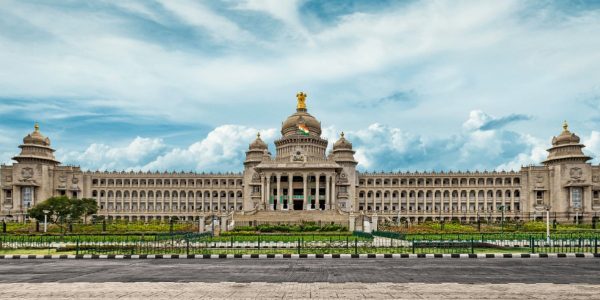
column 291, row 217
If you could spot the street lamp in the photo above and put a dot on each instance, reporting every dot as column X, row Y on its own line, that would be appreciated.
column 501, row 208
column 46, row 212
column 548, row 224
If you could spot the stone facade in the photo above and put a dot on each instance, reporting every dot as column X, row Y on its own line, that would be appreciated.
column 302, row 182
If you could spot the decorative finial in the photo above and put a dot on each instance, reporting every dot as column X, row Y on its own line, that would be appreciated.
column 258, row 135
column 301, row 100
column 36, row 127
column 342, row 134
column 565, row 126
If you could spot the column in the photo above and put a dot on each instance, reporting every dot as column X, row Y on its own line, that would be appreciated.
column 218, row 200
column 495, row 202
column 224, row 223
column 290, row 192
column 279, row 197
column 374, row 221
column 305, row 192
column 485, row 202
column 327, row 194
column 201, row 224
column 317, row 204
column 269, row 193
column 263, row 192
column 351, row 222
column 512, row 202
column 333, row 195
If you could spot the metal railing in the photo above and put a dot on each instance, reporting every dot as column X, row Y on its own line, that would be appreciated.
column 194, row 243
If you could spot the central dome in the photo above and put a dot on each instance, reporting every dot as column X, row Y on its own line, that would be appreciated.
column 292, row 124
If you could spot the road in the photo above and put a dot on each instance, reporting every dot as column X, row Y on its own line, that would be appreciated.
column 433, row 271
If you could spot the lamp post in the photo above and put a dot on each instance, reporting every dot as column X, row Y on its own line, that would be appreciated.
column 548, row 224
column 501, row 208
column 46, row 212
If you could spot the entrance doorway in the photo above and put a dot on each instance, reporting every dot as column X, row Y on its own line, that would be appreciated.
column 298, row 199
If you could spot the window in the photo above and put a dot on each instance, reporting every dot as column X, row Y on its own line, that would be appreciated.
column 576, row 197
column 8, row 194
column 539, row 197
column 27, row 196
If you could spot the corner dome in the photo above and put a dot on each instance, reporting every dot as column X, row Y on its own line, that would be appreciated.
column 258, row 144
column 566, row 148
column 342, row 143
column 36, row 138
column 565, row 137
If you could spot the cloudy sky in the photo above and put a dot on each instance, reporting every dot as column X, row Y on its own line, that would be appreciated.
column 185, row 85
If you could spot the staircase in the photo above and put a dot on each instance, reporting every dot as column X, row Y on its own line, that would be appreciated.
column 291, row 217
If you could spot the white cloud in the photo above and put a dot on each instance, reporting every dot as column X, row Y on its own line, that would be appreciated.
column 196, row 14
column 222, row 150
column 592, row 144
column 105, row 157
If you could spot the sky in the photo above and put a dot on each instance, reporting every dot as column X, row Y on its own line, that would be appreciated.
column 182, row 85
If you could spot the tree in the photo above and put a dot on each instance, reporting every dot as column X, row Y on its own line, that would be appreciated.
column 63, row 210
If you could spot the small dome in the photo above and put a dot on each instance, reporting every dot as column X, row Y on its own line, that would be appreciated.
column 36, row 137
column 342, row 143
column 258, row 144
column 565, row 137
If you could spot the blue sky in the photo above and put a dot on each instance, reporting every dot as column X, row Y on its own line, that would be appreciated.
column 185, row 85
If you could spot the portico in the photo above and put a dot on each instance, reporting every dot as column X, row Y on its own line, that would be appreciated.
column 297, row 188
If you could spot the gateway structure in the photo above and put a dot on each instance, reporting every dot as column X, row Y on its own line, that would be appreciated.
column 302, row 182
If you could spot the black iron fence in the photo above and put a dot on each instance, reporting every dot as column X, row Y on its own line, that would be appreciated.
column 194, row 243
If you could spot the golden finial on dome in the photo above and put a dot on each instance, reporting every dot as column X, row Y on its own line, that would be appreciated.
column 565, row 126
column 301, row 100
column 36, row 127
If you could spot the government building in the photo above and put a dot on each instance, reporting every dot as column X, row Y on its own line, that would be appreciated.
column 302, row 182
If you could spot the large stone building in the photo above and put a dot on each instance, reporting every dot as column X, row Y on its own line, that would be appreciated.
column 302, row 182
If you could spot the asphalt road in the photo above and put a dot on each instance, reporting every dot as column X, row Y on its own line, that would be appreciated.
column 475, row 271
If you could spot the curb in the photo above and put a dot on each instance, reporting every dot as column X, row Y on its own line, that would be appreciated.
column 305, row 256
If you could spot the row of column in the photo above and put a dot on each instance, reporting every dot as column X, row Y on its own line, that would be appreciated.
column 441, row 201
column 227, row 201
column 330, row 200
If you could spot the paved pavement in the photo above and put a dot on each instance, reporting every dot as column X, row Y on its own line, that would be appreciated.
column 295, row 291
column 471, row 271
